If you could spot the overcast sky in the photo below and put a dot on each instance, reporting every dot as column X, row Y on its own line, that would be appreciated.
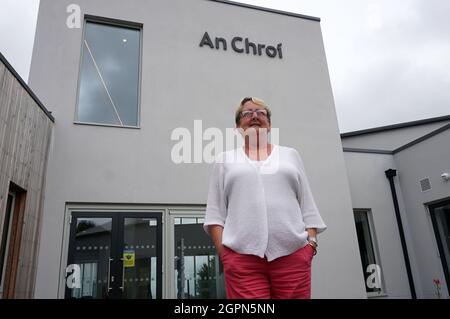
column 389, row 60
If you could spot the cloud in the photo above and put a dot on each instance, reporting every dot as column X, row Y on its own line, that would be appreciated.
column 400, row 71
column 388, row 60
column 17, row 27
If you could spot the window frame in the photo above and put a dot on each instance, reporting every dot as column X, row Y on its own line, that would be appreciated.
column 431, row 208
column 7, row 236
column 168, row 211
column 376, row 251
column 118, row 23
column 183, row 211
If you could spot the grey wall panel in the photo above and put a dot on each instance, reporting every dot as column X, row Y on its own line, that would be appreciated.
column 430, row 159
column 370, row 190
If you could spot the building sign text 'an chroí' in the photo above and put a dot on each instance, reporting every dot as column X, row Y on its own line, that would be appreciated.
column 240, row 45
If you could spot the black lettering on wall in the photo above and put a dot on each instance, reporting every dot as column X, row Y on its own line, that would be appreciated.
column 233, row 44
column 280, row 54
column 260, row 47
column 224, row 43
column 206, row 40
column 241, row 45
column 271, row 51
column 249, row 44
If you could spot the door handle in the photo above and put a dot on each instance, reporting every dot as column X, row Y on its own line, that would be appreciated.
column 109, row 273
column 123, row 274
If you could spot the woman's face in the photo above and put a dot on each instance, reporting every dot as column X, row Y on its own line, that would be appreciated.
column 255, row 120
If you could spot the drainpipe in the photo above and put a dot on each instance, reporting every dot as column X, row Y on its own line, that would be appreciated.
column 390, row 174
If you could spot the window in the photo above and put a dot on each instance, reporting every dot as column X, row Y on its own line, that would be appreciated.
column 368, row 252
column 11, row 240
column 109, row 75
column 5, row 239
column 440, row 217
column 114, row 255
column 88, row 287
column 198, row 272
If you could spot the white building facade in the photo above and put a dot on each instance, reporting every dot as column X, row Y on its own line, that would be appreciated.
column 122, row 214
column 122, row 219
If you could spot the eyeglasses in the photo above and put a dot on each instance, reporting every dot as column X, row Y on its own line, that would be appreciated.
column 249, row 113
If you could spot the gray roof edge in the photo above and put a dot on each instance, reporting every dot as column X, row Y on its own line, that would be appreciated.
column 292, row 14
column 422, row 138
column 366, row 150
column 26, row 87
column 396, row 126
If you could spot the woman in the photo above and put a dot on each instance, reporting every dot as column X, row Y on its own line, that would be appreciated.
column 263, row 221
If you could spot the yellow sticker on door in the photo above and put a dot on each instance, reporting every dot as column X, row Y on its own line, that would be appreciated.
column 128, row 258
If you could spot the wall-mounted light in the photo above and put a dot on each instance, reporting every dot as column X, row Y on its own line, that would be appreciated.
column 445, row 176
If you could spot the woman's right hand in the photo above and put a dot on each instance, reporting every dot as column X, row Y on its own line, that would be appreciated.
column 216, row 235
column 220, row 250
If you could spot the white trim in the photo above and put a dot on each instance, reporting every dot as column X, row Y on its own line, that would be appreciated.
column 121, row 24
column 172, row 214
column 101, row 124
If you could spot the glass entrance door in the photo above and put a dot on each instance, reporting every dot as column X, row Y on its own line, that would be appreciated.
column 198, row 271
column 140, row 258
column 115, row 255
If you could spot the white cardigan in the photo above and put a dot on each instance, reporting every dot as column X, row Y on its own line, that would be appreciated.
column 264, row 207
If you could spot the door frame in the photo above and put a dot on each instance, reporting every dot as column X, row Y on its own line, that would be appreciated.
column 187, row 212
column 14, row 233
column 5, row 237
column 159, row 269
column 444, row 264
column 114, row 242
column 168, row 213
column 106, row 211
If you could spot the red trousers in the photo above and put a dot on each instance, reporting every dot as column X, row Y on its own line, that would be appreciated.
column 252, row 277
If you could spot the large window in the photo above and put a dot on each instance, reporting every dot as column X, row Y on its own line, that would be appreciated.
column 109, row 76
column 368, row 252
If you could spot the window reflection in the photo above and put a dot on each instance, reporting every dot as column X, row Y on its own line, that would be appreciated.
column 109, row 78
column 198, row 272
column 92, row 253
column 139, row 258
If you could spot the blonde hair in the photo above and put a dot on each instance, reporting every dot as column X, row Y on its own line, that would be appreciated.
column 254, row 100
